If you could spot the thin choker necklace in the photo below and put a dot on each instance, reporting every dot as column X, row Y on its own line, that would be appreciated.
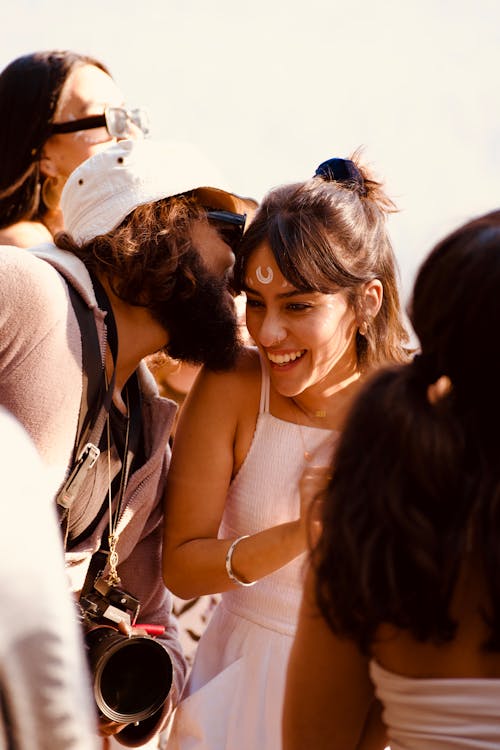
column 323, row 413
column 318, row 413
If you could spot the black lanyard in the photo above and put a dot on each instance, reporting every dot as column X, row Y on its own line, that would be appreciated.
column 90, row 428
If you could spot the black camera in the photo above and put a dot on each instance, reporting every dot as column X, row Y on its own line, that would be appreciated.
column 131, row 675
column 105, row 601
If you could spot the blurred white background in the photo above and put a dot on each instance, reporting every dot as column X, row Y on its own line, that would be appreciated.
column 270, row 88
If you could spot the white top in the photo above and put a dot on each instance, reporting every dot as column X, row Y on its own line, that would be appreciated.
column 234, row 697
column 438, row 714
column 265, row 493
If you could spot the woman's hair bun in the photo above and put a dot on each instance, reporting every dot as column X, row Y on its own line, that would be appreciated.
column 342, row 170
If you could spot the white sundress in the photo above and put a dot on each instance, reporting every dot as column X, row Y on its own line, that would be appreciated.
column 234, row 696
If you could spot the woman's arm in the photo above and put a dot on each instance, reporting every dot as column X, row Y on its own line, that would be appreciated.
column 329, row 695
column 214, row 432
column 374, row 732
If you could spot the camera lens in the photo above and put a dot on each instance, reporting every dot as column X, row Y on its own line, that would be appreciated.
column 132, row 675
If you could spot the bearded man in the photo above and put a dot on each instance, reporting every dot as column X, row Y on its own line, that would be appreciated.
column 142, row 267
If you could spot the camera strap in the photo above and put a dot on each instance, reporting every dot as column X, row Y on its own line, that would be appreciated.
column 96, row 398
column 94, row 416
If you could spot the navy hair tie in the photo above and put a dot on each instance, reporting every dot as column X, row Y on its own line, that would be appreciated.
column 341, row 170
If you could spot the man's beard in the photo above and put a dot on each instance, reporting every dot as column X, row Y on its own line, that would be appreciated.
column 202, row 326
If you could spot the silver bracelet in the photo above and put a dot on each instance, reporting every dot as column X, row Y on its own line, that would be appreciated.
column 229, row 560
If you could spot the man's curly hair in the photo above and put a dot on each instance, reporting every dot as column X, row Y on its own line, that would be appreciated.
column 146, row 258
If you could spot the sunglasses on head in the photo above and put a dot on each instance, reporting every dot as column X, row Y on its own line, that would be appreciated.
column 116, row 120
column 229, row 225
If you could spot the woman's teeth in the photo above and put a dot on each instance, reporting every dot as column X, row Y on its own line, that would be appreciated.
column 283, row 359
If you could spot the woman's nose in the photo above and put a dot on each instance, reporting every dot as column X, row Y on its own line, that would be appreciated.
column 272, row 331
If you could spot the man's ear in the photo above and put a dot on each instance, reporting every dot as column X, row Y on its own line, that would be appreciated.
column 373, row 293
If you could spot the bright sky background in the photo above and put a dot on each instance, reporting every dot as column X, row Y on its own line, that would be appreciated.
column 270, row 88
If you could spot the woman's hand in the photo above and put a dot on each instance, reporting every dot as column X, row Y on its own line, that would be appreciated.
column 312, row 486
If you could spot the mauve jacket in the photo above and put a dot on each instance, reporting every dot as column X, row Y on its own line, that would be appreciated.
column 41, row 384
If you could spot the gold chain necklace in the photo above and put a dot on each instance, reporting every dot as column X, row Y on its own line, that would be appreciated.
column 113, row 578
column 317, row 413
column 323, row 413
column 310, row 455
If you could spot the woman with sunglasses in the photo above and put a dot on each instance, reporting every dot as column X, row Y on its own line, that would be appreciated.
column 318, row 271
column 58, row 108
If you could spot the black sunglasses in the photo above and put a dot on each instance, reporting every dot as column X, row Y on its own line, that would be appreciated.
column 229, row 225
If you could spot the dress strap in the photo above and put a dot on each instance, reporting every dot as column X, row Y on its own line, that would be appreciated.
column 264, row 387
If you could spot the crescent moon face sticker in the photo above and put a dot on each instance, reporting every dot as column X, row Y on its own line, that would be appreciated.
column 264, row 278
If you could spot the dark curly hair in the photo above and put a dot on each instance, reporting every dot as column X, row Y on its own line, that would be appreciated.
column 415, row 493
column 148, row 257
column 30, row 89
column 327, row 234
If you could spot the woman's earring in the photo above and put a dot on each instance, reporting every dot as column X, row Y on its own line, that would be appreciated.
column 51, row 192
column 363, row 328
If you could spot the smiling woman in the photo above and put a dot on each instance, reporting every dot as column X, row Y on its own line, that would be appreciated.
column 45, row 95
column 320, row 327
column 318, row 271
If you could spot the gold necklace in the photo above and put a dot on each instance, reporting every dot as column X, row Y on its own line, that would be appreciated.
column 113, row 578
column 323, row 413
column 308, row 455
column 318, row 413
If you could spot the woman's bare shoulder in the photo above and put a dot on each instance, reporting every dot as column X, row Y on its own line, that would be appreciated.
column 246, row 370
column 226, row 396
